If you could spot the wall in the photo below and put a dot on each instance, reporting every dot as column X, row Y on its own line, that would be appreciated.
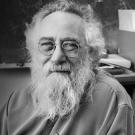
column 12, row 79
column 123, row 40
column 111, row 36
column 126, row 43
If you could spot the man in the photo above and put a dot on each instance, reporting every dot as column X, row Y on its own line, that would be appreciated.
column 69, row 95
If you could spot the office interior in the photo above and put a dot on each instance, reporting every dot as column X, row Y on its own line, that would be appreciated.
column 117, row 17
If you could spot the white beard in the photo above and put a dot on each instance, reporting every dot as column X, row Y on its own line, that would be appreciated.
column 59, row 93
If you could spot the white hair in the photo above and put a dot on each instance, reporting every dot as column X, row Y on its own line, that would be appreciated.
column 61, row 94
column 65, row 91
column 92, row 27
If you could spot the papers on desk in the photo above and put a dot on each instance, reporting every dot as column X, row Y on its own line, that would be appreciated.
column 115, row 60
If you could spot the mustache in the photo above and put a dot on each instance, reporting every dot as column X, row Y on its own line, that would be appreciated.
column 65, row 67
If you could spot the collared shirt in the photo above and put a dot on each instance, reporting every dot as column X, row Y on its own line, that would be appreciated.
column 109, row 113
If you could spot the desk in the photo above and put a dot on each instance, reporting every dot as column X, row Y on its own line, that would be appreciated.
column 128, row 81
column 127, row 78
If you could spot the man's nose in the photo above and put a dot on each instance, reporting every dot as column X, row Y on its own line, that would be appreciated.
column 58, row 55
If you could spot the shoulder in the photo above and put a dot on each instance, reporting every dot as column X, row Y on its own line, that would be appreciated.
column 109, row 88
column 110, row 104
column 20, row 100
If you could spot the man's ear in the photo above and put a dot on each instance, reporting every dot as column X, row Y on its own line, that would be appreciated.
column 93, row 51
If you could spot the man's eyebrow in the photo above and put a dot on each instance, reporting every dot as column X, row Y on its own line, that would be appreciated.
column 46, row 38
column 61, row 40
column 69, row 39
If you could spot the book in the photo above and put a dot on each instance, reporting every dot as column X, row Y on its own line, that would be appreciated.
column 115, row 60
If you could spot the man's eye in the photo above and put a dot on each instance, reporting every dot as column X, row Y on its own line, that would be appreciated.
column 46, row 46
column 70, row 46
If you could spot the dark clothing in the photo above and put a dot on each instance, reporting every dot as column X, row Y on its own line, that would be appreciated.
column 110, row 113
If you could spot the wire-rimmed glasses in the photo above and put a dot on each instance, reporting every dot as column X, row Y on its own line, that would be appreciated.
column 69, row 47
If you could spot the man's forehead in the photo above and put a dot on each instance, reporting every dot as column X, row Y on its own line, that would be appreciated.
column 62, row 16
column 60, row 21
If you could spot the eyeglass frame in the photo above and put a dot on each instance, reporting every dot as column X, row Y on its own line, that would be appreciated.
column 66, row 52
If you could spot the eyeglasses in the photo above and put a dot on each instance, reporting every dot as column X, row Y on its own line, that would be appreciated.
column 70, row 47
